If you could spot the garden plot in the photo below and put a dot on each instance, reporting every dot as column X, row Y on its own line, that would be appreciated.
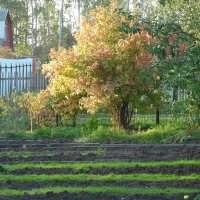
column 27, row 177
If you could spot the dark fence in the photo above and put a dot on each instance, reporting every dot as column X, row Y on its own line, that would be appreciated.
column 21, row 78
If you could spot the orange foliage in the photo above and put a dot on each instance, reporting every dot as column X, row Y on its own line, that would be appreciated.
column 102, row 69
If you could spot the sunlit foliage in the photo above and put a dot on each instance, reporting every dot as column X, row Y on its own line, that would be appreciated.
column 104, row 69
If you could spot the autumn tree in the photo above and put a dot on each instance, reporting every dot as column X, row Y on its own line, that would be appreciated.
column 106, row 67
column 28, row 101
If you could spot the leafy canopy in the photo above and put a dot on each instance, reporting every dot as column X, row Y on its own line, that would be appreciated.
column 104, row 69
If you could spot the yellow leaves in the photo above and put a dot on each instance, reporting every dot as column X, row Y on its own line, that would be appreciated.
column 95, row 29
column 101, row 69
column 91, row 103
column 135, row 49
column 119, row 69
column 95, row 65
column 31, row 103
column 2, row 103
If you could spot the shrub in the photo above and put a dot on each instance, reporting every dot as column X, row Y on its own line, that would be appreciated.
column 42, row 133
column 91, row 124
column 159, row 134
column 16, row 135
column 109, row 135
column 180, row 137
column 66, row 132
column 57, row 133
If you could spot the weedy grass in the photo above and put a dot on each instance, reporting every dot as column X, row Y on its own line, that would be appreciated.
column 79, row 165
column 160, row 134
column 164, row 133
column 104, row 178
column 106, row 190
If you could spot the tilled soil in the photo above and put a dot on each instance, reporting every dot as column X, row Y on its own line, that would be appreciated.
column 78, row 152
column 104, row 156
column 89, row 196
column 107, row 152
column 178, row 170
column 134, row 184
column 75, row 156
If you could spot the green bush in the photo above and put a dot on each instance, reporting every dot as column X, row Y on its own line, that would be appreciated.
column 159, row 134
column 66, row 132
column 180, row 137
column 42, row 133
column 91, row 124
column 109, row 135
column 16, row 135
column 168, row 133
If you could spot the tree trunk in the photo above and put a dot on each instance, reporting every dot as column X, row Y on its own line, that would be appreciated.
column 61, row 24
column 57, row 120
column 157, row 116
column 175, row 93
column 73, row 120
column 86, row 8
column 123, row 115
column 79, row 13
column 128, row 4
column 31, row 123
column 32, row 26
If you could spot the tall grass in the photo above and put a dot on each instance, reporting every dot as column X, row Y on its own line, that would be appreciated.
column 160, row 133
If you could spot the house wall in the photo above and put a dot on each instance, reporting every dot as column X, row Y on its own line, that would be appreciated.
column 6, row 33
column 9, row 34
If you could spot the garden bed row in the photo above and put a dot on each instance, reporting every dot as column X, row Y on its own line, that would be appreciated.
column 29, row 177
column 178, row 170
column 77, row 173
column 100, row 157
column 94, row 152
column 28, row 185
column 89, row 196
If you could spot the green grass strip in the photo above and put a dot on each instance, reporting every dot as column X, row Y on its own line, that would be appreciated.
column 101, row 164
column 106, row 190
column 90, row 177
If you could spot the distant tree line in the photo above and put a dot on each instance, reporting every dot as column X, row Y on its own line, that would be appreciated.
column 40, row 25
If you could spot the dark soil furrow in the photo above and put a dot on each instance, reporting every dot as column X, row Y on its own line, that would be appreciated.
column 178, row 170
column 89, row 196
column 117, row 155
column 107, row 151
column 71, row 157
column 139, row 184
